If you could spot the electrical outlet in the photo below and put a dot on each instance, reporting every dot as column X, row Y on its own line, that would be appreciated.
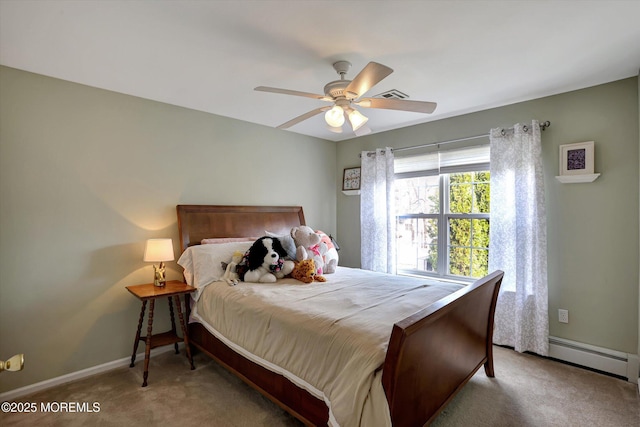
column 563, row 316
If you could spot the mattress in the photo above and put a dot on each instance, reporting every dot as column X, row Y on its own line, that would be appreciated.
column 329, row 338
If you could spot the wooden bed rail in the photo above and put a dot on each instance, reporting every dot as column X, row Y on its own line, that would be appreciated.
column 455, row 334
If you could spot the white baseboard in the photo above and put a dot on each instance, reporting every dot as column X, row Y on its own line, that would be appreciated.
column 602, row 359
column 74, row 376
column 614, row 362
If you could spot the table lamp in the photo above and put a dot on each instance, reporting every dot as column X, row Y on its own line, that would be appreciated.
column 159, row 250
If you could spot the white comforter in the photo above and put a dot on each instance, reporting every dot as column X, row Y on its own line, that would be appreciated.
column 329, row 338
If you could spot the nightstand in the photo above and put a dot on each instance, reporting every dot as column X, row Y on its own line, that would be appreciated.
column 148, row 292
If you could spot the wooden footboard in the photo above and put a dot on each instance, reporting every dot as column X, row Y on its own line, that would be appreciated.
column 433, row 353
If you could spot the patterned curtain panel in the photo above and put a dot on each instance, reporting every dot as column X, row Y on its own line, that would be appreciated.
column 377, row 213
column 518, row 238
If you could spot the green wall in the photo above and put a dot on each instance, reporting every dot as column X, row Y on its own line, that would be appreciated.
column 86, row 176
column 592, row 228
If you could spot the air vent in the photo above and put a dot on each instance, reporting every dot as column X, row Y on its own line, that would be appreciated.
column 392, row 94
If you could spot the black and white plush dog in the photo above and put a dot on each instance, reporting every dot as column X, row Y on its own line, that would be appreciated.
column 265, row 261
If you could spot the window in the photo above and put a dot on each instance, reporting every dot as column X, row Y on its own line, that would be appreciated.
column 442, row 226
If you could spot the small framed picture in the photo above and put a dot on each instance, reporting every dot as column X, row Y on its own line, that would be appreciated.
column 351, row 179
column 577, row 159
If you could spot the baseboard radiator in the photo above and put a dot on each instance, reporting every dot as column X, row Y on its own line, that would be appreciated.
column 613, row 362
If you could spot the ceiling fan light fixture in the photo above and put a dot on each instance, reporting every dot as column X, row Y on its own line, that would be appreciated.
column 335, row 117
column 335, row 129
column 357, row 119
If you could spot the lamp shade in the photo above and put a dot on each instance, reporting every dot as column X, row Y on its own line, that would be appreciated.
column 158, row 250
column 335, row 116
column 357, row 119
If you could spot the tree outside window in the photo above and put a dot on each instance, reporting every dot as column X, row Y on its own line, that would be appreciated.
column 460, row 248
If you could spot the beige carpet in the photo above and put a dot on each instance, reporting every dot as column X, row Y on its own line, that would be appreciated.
column 527, row 391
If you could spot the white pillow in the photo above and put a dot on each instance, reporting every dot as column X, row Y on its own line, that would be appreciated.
column 202, row 263
column 227, row 240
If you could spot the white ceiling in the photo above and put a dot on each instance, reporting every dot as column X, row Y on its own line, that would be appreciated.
column 209, row 55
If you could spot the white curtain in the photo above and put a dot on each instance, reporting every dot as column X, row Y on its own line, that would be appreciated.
column 518, row 238
column 377, row 213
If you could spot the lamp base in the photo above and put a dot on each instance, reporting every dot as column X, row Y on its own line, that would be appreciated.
column 159, row 283
column 159, row 278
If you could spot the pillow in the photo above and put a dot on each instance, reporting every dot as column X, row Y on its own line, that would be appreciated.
column 227, row 240
column 202, row 263
column 286, row 241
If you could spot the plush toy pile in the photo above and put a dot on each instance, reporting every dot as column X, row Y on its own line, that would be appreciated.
column 272, row 257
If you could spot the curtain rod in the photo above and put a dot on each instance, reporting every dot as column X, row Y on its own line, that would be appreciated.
column 468, row 138
column 543, row 126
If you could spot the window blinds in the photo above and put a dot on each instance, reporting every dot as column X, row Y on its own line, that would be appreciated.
column 445, row 161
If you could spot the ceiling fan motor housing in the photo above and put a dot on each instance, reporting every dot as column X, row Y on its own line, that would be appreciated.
column 335, row 89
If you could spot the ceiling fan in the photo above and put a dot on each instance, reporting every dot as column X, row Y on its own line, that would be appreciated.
column 346, row 94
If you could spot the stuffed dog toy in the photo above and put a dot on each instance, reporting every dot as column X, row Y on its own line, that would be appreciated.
column 265, row 261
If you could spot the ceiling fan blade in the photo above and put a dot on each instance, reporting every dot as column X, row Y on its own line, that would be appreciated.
column 292, row 92
column 303, row 117
column 371, row 75
column 398, row 104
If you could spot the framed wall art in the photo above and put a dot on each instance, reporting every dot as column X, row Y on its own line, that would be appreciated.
column 351, row 179
column 577, row 159
column 576, row 163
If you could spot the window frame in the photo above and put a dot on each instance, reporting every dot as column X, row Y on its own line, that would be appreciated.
column 443, row 216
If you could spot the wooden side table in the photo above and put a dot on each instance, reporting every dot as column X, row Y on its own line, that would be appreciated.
column 148, row 292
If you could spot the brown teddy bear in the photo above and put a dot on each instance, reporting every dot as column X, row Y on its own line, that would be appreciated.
column 305, row 271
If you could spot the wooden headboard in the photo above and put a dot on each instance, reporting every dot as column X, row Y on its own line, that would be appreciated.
column 197, row 222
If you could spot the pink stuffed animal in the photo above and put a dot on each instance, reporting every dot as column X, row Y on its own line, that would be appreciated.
column 329, row 253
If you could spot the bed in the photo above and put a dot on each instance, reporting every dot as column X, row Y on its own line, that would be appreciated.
column 428, row 357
